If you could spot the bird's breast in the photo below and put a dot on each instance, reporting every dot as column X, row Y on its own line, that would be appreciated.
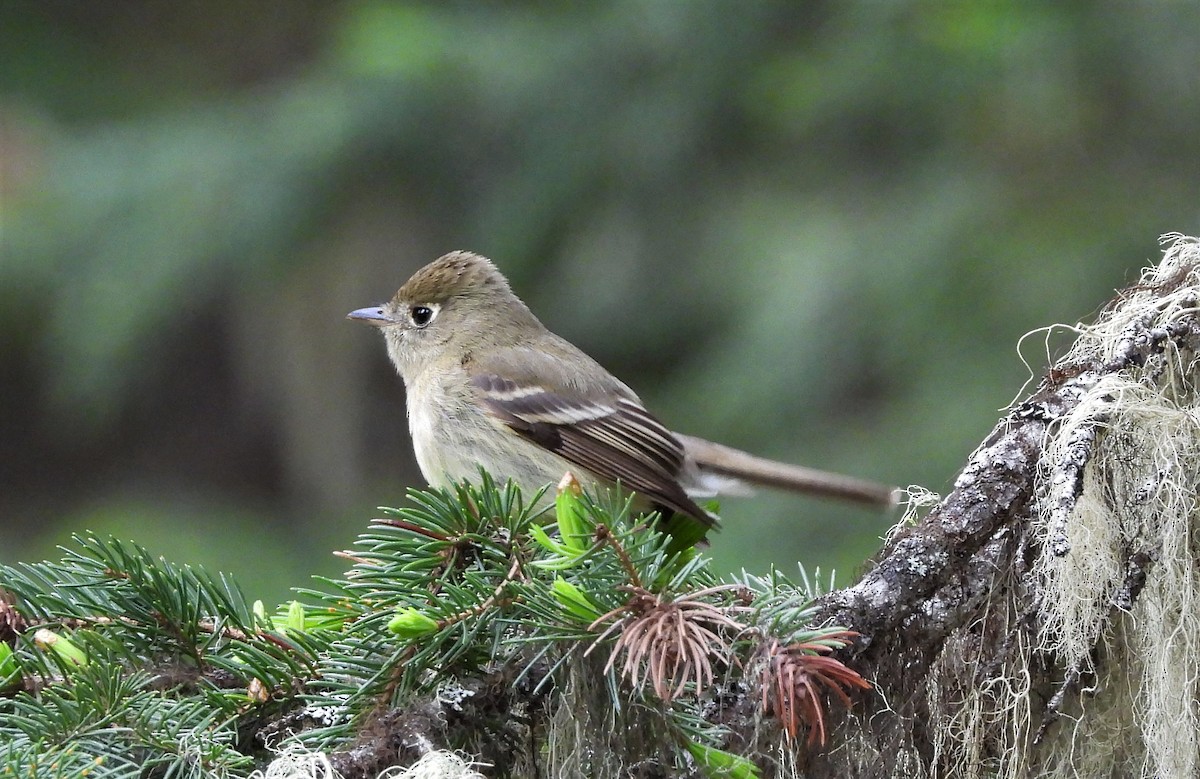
column 454, row 436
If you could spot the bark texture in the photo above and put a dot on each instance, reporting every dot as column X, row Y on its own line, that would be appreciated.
column 1013, row 631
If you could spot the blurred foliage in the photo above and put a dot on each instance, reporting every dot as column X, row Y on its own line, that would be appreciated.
column 815, row 230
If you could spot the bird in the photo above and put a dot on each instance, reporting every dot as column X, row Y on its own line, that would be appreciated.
column 489, row 386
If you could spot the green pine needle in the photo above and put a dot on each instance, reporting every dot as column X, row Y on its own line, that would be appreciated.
column 147, row 663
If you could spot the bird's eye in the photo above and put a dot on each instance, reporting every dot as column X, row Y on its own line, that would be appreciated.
column 421, row 315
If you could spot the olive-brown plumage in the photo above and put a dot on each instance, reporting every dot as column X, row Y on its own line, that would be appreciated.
column 489, row 386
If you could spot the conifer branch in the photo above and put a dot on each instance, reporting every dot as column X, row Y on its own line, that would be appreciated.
column 461, row 624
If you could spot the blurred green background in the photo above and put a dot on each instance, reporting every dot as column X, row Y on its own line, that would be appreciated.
column 815, row 230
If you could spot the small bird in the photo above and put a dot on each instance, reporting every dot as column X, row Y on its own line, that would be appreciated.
column 489, row 386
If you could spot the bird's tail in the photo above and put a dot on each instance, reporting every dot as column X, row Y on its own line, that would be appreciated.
column 718, row 464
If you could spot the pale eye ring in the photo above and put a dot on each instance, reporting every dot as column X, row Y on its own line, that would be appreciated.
column 421, row 315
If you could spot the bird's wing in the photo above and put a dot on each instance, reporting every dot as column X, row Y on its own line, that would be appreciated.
column 601, row 427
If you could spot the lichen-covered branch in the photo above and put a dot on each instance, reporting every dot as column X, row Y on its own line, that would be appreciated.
column 1060, row 576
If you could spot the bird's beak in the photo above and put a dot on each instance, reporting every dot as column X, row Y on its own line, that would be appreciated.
column 372, row 316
